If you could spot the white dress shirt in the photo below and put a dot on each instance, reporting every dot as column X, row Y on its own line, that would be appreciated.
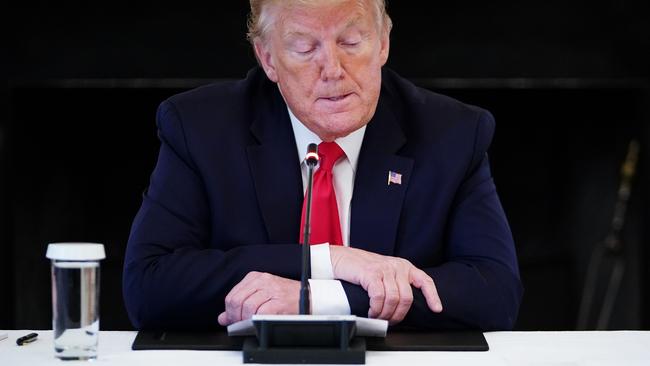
column 327, row 294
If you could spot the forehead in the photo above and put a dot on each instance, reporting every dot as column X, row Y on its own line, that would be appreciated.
column 321, row 16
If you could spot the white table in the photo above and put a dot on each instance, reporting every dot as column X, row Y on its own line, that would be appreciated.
column 506, row 348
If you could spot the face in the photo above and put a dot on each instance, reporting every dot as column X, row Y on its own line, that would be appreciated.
column 326, row 58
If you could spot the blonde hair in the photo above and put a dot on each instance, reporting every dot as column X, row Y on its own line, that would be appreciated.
column 260, row 19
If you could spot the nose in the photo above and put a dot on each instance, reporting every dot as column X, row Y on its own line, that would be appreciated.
column 331, row 68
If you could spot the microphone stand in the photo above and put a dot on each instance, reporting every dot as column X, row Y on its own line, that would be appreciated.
column 311, row 160
column 305, row 338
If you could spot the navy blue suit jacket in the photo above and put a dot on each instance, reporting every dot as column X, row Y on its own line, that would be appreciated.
column 225, row 199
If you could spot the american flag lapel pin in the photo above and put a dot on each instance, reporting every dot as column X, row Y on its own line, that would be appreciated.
column 394, row 178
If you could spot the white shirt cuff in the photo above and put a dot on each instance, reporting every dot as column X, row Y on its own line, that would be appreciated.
column 328, row 298
column 321, row 262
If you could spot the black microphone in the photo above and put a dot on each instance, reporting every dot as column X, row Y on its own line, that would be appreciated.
column 306, row 338
column 312, row 160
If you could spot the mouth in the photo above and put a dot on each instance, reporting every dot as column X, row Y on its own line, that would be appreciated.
column 337, row 98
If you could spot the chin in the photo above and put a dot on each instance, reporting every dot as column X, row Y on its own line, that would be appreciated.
column 340, row 127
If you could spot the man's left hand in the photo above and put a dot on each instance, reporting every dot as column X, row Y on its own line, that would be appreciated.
column 260, row 293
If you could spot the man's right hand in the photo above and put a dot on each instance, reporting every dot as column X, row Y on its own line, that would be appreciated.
column 387, row 280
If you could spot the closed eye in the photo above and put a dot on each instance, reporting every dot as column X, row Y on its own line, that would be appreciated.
column 301, row 46
column 305, row 52
column 304, row 49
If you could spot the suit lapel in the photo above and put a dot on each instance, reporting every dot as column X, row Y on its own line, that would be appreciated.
column 275, row 169
column 376, row 204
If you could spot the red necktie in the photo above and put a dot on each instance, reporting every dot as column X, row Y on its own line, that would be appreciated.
column 325, row 224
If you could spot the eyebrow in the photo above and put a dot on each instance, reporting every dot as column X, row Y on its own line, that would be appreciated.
column 352, row 22
column 296, row 34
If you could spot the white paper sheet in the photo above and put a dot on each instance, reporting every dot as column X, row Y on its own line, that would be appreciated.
column 365, row 327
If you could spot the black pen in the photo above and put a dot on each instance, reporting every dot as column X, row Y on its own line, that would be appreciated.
column 31, row 337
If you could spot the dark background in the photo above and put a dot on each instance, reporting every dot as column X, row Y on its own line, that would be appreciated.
column 568, row 83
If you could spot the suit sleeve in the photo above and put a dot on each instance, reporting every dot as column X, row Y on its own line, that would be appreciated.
column 173, row 278
column 478, row 282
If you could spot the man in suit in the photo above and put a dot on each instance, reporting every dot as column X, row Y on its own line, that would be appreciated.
column 412, row 227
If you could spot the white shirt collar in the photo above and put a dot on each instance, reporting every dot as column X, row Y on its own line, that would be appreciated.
column 350, row 144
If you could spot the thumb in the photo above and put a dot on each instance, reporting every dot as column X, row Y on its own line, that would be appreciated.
column 421, row 280
column 223, row 320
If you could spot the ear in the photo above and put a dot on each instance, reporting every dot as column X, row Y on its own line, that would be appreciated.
column 263, row 53
column 385, row 46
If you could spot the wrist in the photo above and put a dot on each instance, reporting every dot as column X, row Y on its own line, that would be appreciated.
column 335, row 257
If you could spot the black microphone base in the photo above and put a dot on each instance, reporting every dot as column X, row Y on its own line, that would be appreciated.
column 305, row 340
column 354, row 354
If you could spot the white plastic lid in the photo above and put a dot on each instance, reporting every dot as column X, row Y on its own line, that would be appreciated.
column 75, row 251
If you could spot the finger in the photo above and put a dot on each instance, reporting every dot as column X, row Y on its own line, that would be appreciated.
column 237, row 296
column 391, row 297
column 243, row 284
column 223, row 319
column 234, row 307
column 251, row 305
column 375, row 289
column 421, row 280
column 278, row 306
column 405, row 298
column 271, row 307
